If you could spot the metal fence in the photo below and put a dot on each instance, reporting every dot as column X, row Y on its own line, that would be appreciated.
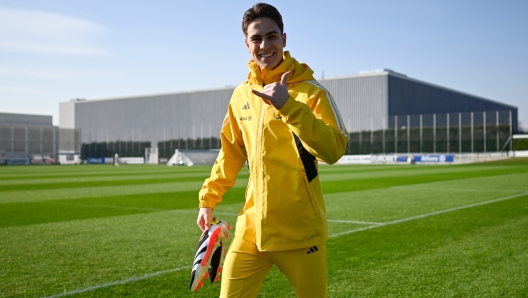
column 30, row 144
column 109, row 149
column 472, row 132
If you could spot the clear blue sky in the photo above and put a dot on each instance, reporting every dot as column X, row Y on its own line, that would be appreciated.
column 52, row 51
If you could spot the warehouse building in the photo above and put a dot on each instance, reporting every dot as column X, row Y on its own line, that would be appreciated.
column 369, row 101
column 30, row 139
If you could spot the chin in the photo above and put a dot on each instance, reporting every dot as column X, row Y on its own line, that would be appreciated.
column 269, row 65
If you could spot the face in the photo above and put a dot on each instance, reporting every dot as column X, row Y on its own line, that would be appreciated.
column 265, row 43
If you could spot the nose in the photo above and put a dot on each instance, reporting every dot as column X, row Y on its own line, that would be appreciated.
column 264, row 44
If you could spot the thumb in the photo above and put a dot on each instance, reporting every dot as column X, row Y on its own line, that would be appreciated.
column 284, row 78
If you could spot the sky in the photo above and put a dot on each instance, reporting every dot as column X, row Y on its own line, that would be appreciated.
column 53, row 51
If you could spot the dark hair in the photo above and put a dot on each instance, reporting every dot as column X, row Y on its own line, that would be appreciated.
column 262, row 10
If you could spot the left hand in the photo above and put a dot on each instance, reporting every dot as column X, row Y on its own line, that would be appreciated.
column 204, row 218
column 276, row 93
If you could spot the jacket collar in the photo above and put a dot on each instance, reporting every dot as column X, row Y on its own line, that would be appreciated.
column 301, row 71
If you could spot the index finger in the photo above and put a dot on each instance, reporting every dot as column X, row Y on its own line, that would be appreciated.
column 284, row 78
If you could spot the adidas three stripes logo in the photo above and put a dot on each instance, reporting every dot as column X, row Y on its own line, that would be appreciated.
column 312, row 249
column 246, row 106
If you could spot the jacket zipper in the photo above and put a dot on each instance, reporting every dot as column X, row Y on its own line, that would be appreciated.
column 258, row 172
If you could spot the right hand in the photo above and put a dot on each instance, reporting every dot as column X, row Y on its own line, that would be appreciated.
column 275, row 93
column 205, row 215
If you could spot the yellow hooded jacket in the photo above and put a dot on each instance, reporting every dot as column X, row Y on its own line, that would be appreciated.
column 284, row 205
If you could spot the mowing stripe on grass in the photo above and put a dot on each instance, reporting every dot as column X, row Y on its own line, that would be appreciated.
column 119, row 282
column 374, row 225
column 466, row 179
column 409, row 171
column 104, row 178
column 136, row 208
column 458, row 189
column 102, row 191
column 429, row 214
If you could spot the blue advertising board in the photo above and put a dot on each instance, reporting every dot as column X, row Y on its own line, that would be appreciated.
column 95, row 160
column 389, row 158
column 401, row 158
column 436, row 158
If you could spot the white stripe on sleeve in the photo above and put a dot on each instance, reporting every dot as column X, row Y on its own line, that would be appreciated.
column 337, row 116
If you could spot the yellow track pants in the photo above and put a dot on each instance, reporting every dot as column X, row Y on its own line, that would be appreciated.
column 245, row 268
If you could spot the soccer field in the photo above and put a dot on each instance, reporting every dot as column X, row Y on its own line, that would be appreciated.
column 396, row 230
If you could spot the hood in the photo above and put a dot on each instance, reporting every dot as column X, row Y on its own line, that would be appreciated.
column 301, row 72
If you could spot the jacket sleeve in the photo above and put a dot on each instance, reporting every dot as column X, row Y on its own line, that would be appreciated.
column 319, row 127
column 230, row 160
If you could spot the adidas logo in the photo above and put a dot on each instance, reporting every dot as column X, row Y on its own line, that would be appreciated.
column 246, row 106
column 312, row 249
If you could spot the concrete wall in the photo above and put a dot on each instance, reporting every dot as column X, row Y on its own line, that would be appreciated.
column 67, row 114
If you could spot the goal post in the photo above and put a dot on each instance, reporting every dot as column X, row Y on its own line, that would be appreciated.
column 516, row 137
column 510, row 140
column 151, row 156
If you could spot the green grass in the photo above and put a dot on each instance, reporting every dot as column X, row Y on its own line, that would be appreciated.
column 73, row 228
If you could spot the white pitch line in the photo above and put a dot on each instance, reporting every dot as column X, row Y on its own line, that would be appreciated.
column 355, row 222
column 375, row 225
column 119, row 282
column 428, row 215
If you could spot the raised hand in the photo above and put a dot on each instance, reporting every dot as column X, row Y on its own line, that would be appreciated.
column 275, row 94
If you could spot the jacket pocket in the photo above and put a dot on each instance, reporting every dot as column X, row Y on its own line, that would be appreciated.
column 311, row 195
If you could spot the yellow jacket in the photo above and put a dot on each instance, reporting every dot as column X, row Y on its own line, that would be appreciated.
column 284, row 205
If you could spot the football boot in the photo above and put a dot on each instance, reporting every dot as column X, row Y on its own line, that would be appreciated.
column 209, row 256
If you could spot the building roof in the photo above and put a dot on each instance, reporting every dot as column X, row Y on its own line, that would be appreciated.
column 25, row 119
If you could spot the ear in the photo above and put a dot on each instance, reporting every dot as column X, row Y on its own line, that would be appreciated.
column 284, row 39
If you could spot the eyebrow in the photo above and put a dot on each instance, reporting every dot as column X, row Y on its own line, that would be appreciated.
column 269, row 33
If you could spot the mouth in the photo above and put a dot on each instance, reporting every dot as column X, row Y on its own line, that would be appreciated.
column 265, row 56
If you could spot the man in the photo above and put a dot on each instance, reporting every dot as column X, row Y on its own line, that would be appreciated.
column 281, row 121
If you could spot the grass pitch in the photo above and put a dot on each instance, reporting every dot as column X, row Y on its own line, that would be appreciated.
column 396, row 230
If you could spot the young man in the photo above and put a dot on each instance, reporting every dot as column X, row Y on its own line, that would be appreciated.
column 281, row 121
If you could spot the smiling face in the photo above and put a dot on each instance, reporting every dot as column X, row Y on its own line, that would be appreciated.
column 265, row 42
